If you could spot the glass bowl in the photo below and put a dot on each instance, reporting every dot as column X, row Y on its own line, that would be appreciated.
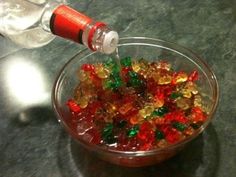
column 179, row 57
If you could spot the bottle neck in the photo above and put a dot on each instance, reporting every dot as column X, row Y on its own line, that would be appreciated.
column 99, row 37
column 68, row 23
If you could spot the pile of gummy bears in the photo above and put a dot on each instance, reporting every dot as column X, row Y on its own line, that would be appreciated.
column 135, row 104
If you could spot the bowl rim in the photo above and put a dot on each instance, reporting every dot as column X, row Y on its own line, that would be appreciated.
column 137, row 153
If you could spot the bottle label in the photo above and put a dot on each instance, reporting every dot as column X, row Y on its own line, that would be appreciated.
column 69, row 23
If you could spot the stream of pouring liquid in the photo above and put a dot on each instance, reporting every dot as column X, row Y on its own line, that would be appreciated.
column 117, row 57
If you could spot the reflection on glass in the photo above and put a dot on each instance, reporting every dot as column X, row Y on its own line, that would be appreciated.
column 26, row 83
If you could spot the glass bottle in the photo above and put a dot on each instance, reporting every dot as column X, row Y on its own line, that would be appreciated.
column 34, row 23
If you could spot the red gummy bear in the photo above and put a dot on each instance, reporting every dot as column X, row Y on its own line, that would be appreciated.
column 73, row 106
column 146, row 134
column 171, row 135
column 198, row 115
column 88, row 67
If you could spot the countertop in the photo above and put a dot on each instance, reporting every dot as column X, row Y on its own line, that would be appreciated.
column 33, row 143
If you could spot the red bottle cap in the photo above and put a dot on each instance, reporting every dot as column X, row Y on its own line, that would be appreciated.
column 69, row 23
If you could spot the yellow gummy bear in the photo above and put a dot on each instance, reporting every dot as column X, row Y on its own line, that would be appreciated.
column 183, row 103
column 101, row 71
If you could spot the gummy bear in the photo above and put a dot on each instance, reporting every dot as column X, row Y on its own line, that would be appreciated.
column 101, row 71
